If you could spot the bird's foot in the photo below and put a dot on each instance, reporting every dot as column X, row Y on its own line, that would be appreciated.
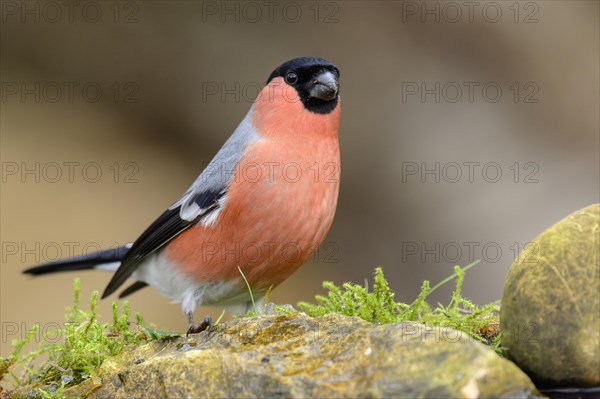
column 206, row 324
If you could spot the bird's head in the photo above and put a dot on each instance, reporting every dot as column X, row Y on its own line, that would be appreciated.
column 314, row 80
column 301, row 96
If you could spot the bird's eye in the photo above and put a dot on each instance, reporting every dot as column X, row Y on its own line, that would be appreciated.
column 291, row 78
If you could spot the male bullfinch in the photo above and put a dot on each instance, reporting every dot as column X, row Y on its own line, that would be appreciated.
column 263, row 205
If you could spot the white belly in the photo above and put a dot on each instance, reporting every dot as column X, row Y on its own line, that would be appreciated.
column 157, row 272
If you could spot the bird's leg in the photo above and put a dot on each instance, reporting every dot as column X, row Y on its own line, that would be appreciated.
column 205, row 324
column 190, row 317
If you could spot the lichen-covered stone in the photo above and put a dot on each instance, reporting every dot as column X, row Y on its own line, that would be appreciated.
column 550, row 317
column 295, row 356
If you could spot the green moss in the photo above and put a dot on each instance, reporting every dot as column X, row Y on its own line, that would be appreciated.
column 379, row 306
column 50, row 368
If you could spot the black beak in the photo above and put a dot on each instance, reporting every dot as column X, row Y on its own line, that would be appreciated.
column 324, row 86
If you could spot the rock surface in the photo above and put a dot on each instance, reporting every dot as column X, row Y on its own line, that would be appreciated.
column 550, row 315
column 295, row 356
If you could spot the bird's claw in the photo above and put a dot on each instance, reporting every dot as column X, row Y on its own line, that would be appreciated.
column 206, row 324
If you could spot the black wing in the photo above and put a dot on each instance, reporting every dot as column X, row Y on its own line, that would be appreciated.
column 164, row 229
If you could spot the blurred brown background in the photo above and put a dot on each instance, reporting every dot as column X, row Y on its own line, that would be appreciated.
column 110, row 110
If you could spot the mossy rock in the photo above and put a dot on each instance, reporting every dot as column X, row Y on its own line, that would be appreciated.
column 550, row 314
column 296, row 356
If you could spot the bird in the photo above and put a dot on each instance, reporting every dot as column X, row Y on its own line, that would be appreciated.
column 254, row 215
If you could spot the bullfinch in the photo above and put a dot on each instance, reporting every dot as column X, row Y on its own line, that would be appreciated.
column 257, row 212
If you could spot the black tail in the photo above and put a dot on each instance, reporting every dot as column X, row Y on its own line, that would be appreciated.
column 87, row 262
column 84, row 262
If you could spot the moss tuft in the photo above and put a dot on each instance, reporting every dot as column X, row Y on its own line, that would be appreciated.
column 52, row 367
column 379, row 306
